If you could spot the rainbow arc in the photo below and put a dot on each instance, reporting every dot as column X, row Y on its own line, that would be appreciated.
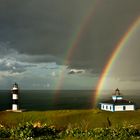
column 115, row 54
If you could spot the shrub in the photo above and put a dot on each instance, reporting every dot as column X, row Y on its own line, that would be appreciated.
column 37, row 131
column 4, row 133
column 49, row 131
column 23, row 131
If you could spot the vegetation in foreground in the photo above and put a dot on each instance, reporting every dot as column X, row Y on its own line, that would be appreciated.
column 70, row 124
column 37, row 131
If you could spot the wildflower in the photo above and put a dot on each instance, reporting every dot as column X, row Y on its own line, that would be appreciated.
column 1, row 126
column 37, row 124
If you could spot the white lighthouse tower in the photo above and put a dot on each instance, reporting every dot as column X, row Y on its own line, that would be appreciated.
column 15, row 97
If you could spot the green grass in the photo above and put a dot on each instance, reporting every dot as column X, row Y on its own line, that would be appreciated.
column 70, row 125
column 84, row 119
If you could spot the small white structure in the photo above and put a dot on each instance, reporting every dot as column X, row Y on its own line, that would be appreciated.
column 15, row 97
column 117, row 103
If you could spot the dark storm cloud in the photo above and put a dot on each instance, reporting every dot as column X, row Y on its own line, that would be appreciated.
column 43, row 27
column 7, row 52
column 36, row 27
column 5, row 49
column 104, row 31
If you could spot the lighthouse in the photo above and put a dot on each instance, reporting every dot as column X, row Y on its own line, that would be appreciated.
column 117, row 103
column 15, row 97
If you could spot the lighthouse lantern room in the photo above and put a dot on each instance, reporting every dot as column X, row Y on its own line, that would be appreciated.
column 15, row 97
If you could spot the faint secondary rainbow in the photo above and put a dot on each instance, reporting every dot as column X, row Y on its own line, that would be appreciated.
column 74, row 43
column 75, row 40
column 119, row 47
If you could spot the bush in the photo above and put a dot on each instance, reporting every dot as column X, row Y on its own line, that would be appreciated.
column 29, row 131
column 104, row 133
column 22, row 131
column 43, row 132
column 4, row 133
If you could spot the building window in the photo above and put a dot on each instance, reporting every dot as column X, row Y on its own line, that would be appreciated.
column 124, row 108
column 110, row 107
column 103, row 106
column 106, row 107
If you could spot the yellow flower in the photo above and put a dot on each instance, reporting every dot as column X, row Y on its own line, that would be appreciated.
column 1, row 126
column 37, row 124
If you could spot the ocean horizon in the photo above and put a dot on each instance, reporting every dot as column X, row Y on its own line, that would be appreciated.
column 39, row 100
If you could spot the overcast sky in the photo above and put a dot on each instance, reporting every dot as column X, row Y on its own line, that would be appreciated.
column 35, row 37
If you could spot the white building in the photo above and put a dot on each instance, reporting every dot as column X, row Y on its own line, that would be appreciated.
column 117, row 103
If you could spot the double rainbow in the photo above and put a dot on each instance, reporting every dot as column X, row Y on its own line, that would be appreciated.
column 114, row 55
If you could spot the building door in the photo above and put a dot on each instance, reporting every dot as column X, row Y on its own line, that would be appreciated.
column 124, row 108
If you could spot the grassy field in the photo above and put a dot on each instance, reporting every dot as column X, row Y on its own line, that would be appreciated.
column 84, row 119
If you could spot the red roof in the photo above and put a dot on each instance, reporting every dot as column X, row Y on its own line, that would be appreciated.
column 119, row 102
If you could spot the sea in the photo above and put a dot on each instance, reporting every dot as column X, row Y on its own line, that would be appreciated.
column 40, row 100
